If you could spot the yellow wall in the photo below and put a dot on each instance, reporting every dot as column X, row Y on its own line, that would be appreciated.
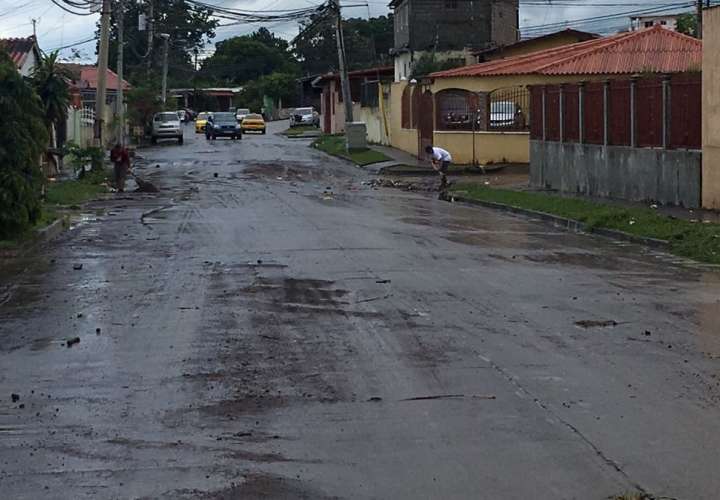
column 401, row 138
column 711, row 109
column 534, row 46
column 490, row 147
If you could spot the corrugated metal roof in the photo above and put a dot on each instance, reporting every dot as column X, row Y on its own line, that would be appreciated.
column 655, row 50
column 18, row 48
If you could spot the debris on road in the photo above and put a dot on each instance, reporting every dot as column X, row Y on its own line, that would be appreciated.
column 77, row 267
column 15, row 397
column 374, row 399
column 382, row 282
column 449, row 396
column 592, row 323
column 72, row 341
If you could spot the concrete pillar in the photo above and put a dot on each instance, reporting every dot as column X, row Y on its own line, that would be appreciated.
column 711, row 109
column 561, row 97
column 606, row 112
column 581, row 112
column 666, row 112
column 633, row 117
column 544, row 126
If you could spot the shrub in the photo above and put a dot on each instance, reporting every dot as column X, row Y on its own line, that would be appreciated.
column 22, row 143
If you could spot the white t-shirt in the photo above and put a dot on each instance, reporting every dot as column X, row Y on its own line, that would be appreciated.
column 439, row 154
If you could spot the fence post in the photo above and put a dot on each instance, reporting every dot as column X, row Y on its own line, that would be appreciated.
column 544, row 127
column 666, row 112
column 606, row 112
column 633, row 118
column 581, row 112
column 562, row 116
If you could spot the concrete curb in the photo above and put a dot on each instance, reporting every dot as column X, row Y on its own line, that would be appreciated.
column 38, row 237
column 571, row 225
column 51, row 231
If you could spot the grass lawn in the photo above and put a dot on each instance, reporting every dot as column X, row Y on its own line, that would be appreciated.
column 75, row 192
column 63, row 194
column 695, row 240
column 335, row 145
column 301, row 129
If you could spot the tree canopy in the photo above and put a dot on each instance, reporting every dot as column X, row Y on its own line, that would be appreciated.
column 367, row 43
column 21, row 146
column 188, row 25
column 241, row 59
column 687, row 24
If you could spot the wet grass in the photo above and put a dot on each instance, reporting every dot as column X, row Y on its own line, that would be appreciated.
column 48, row 216
column 299, row 130
column 695, row 240
column 76, row 192
column 335, row 145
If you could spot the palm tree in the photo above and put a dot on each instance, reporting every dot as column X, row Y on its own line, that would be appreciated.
column 50, row 83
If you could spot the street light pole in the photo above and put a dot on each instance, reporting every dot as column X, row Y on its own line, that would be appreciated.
column 344, row 81
column 102, row 72
column 120, row 55
column 166, row 42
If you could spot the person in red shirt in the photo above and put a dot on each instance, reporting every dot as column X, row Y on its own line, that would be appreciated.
column 121, row 159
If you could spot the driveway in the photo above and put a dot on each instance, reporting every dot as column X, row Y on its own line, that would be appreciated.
column 269, row 327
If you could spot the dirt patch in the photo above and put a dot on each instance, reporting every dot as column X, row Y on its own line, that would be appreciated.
column 596, row 323
column 287, row 171
column 254, row 486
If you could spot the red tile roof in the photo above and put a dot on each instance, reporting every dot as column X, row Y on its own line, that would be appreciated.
column 580, row 35
column 86, row 76
column 655, row 50
column 18, row 48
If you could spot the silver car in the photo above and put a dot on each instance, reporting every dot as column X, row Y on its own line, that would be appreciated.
column 166, row 125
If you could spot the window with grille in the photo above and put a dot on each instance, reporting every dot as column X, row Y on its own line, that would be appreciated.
column 455, row 109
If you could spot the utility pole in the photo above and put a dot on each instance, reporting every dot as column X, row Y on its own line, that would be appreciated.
column 102, row 72
column 150, row 35
column 34, row 23
column 344, row 81
column 166, row 43
column 699, row 18
column 120, row 55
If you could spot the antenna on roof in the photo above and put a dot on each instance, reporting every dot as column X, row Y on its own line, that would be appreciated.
column 34, row 23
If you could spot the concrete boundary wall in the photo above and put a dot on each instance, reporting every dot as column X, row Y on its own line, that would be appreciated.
column 672, row 177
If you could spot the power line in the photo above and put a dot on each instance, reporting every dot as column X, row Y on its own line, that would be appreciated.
column 594, row 19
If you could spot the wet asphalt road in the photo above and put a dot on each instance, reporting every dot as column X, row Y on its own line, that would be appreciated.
column 263, row 336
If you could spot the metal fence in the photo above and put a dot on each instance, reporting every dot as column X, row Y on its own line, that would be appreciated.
column 658, row 111
column 509, row 109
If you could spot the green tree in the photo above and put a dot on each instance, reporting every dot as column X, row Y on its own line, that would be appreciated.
column 241, row 59
column 143, row 102
column 687, row 24
column 189, row 27
column 21, row 146
column 50, row 83
column 428, row 63
column 367, row 43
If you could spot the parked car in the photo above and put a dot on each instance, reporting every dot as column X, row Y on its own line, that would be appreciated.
column 241, row 113
column 166, row 125
column 223, row 125
column 304, row 116
column 201, row 121
column 253, row 123
column 506, row 114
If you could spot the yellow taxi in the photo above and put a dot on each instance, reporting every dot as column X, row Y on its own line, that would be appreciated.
column 201, row 121
column 253, row 123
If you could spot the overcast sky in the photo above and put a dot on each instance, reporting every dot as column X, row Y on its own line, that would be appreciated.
column 56, row 28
